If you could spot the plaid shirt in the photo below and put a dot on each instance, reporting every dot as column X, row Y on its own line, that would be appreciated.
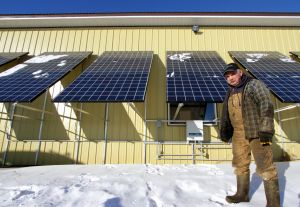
column 257, row 111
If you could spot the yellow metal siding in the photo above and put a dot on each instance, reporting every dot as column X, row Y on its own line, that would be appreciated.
column 126, row 127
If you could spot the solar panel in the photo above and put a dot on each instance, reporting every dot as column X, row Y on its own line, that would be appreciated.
column 6, row 57
column 26, row 81
column 280, row 73
column 295, row 53
column 113, row 77
column 195, row 77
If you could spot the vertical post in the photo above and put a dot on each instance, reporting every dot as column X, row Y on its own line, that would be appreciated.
column 8, row 131
column 78, row 127
column 78, row 134
column 280, row 128
column 193, row 152
column 158, row 146
column 41, row 128
column 201, row 152
column 105, row 133
column 145, row 131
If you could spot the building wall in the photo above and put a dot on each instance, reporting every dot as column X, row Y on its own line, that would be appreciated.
column 65, row 124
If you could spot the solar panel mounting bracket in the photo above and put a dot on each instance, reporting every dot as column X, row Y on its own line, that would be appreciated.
column 180, row 105
column 287, row 107
column 131, row 104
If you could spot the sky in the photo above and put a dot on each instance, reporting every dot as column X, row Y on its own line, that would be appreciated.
column 138, row 185
column 119, row 6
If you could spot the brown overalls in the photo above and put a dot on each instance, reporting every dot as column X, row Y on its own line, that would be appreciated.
column 242, row 147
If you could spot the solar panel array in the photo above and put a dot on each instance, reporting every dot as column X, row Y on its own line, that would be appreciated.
column 195, row 77
column 296, row 53
column 113, row 77
column 26, row 81
column 6, row 57
column 280, row 73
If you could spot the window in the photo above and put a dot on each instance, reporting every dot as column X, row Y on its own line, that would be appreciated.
column 178, row 113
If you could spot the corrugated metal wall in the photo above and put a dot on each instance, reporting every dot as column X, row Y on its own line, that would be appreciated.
column 64, row 123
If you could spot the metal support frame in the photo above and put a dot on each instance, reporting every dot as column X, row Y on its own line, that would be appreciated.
column 78, row 126
column 201, row 149
column 180, row 105
column 193, row 154
column 158, row 146
column 135, row 109
column 286, row 107
column 78, row 134
column 41, row 128
column 145, row 131
column 280, row 127
column 160, row 156
column 105, row 133
column 8, row 133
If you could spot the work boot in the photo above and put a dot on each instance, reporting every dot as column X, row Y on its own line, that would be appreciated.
column 272, row 193
column 242, row 193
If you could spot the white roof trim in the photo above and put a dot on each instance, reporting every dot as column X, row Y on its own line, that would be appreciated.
column 148, row 20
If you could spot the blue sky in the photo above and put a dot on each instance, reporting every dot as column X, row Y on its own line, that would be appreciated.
column 117, row 6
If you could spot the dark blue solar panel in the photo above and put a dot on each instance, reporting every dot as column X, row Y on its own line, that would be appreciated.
column 113, row 77
column 280, row 73
column 195, row 77
column 6, row 57
column 296, row 53
column 26, row 81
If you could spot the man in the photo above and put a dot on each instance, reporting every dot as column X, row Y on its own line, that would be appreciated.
column 247, row 120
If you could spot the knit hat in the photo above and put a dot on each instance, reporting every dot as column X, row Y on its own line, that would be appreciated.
column 231, row 67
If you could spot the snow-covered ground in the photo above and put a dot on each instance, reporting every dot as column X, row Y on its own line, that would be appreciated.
column 138, row 185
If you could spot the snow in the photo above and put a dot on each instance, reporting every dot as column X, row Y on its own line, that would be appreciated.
column 137, row 185
column 37, row 59
column 44, row 58
column 12, row 70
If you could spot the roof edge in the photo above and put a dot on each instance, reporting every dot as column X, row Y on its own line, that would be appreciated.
column 159, row 19
column 156, row 14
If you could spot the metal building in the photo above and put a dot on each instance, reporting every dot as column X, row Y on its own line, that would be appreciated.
column 148, row 129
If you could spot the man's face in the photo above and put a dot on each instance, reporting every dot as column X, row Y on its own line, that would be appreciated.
column 233, row 77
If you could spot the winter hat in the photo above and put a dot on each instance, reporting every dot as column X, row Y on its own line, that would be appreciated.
column 231, row 67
